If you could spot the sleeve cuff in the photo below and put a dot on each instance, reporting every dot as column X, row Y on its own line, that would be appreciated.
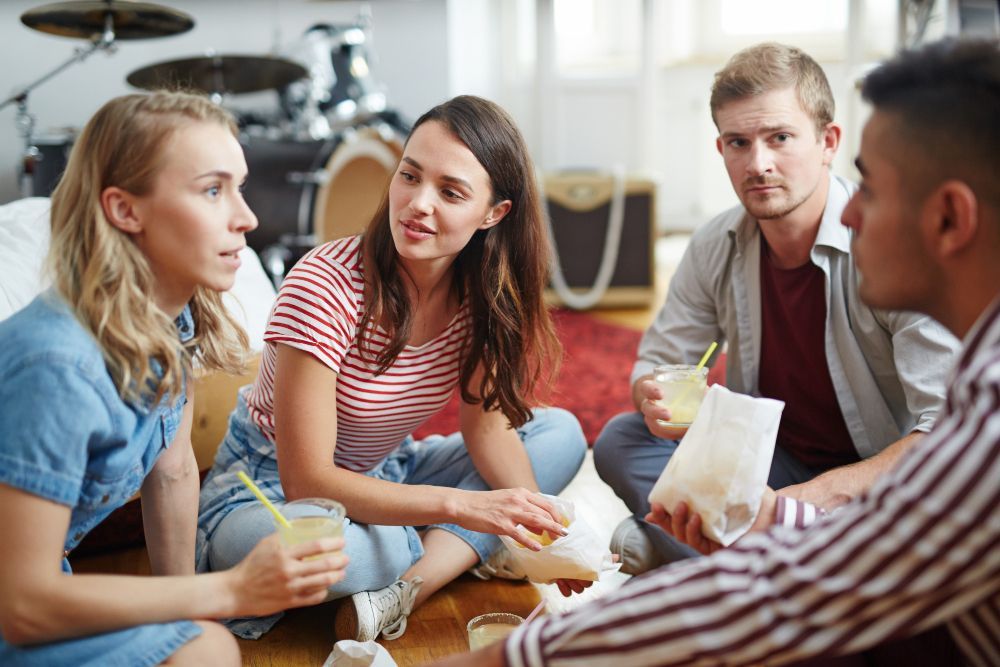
column 795, row 513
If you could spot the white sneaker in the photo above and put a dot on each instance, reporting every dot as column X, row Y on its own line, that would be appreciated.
column 499, row 565
column 371, row 613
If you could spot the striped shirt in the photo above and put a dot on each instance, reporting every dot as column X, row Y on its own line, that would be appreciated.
column 317, row 310
column 921, row 549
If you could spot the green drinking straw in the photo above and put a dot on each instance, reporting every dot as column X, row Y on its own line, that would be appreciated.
column 262, row 498
column 701, row 364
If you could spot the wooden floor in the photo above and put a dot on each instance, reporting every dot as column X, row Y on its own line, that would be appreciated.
column 305, row 636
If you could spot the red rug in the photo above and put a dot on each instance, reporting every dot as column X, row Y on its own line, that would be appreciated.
column 593, row 379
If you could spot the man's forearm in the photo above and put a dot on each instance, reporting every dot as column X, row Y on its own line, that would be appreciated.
column 840, row 485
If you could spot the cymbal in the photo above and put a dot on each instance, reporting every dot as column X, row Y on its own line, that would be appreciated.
column 219, row 74
column 85, row 18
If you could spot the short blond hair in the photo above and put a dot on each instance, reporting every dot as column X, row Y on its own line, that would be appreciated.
column 100, row 272
column 768, row 67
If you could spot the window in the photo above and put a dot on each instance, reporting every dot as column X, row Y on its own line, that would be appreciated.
column 597, row 35
column 761, row 18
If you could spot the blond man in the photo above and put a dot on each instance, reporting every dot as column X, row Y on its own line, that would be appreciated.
column 773, row 278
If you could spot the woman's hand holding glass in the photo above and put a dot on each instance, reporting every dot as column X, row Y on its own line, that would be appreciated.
column 273, row 577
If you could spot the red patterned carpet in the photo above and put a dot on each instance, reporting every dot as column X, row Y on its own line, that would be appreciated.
column 593, row 380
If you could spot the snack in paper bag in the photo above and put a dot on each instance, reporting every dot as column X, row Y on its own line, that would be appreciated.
column 722, row 464
column 580, row 554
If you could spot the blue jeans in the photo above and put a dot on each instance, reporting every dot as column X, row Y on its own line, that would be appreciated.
column 137, row 646
column 378, row 555
column 630, row 459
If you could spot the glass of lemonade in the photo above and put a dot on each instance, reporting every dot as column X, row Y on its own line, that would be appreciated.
column 683, row 389
column 488, row 628
column 311, row 519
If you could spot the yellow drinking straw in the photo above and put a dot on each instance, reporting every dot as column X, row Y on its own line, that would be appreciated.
column 704, row 358
column 701, row 364
column 262, row 498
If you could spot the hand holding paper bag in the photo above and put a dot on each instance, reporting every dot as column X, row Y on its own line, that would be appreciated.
column 721, row 466
column 580, row 554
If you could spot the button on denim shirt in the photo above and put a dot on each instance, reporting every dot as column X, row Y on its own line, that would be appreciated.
column 67, row 435
column 888, row 368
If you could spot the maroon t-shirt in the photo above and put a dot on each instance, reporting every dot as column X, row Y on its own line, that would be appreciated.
column 793, row 364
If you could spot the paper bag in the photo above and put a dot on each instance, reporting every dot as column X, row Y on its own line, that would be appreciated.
column 580, row 554
column 350, row 653
column 722, row 464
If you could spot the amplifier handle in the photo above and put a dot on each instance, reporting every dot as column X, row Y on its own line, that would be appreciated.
column 609, row 257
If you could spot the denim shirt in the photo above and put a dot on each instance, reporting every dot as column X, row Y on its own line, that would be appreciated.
column 67, row 435
column 888, row 367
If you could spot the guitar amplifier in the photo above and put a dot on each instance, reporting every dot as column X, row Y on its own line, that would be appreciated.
column 582, row 225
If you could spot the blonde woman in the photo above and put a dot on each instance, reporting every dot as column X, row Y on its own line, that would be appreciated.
column 96, row 403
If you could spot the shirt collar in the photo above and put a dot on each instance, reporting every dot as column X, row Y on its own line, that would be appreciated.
column 831, row 233
column 974, row 338
column 185, row 324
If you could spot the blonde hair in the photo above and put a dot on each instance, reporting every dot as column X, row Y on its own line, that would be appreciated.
column 768, row 67
column 104, row 277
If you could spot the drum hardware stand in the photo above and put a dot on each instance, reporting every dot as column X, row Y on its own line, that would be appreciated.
column 30, row 156
column 310, row 180
column 25, row 121
column 276, row 258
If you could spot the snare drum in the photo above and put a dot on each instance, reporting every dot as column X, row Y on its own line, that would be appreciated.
column 318, row 190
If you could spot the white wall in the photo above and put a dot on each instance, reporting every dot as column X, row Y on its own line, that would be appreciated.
column 410, row 46
column 428, row 50
column 475, row 48
column 653, row 115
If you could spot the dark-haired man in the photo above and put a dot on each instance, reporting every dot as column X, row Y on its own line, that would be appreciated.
column 920, row 552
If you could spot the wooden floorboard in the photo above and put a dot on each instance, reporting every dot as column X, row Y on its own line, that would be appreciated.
column 305, row 637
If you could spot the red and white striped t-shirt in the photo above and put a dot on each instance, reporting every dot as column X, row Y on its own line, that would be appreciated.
column 317, row 311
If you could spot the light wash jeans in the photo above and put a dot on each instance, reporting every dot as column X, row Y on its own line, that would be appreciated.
column 378, row 555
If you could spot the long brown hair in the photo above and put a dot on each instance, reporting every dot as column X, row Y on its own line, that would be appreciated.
column 502, row 270
column 100, row 272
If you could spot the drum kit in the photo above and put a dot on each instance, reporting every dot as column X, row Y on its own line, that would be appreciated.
column 319, row 164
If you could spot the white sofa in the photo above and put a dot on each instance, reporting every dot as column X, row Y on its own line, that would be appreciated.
column 24, row 240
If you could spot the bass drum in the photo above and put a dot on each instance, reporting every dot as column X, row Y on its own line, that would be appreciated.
column 309, row 192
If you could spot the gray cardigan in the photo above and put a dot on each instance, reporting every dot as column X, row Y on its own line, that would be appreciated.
column 888, row 368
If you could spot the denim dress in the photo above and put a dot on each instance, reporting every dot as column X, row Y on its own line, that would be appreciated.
column 67, row 436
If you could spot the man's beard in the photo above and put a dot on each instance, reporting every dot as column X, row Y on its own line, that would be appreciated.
column 773, row 207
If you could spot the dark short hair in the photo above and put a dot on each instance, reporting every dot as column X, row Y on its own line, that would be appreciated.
column 945, row 100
